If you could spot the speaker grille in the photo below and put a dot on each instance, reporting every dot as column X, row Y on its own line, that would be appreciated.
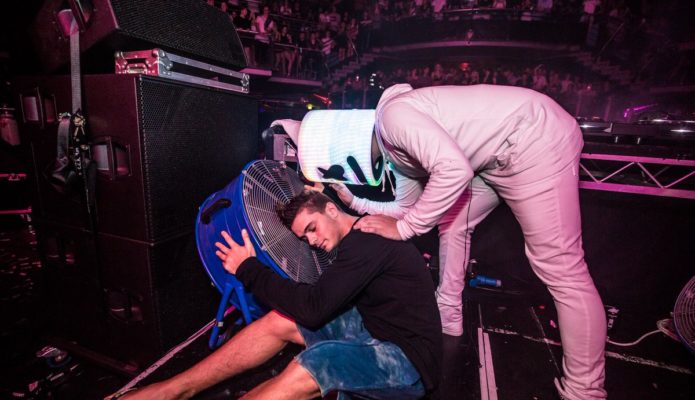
column 184, row 26
column 188, row 28
column 186, row 156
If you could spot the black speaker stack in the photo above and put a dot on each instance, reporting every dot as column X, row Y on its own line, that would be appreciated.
column 125, row 281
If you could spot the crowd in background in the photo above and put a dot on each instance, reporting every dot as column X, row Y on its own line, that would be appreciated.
column 314, row 36
column 574, row 91
column 312, row 39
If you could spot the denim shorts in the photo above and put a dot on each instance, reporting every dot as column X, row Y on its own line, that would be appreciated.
column 342, row 356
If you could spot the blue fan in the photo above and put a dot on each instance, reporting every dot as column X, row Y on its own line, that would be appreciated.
column 684, row 315
column 249, row 202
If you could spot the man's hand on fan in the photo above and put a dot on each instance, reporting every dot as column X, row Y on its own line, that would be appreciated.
column 233, row 254
column 381, row 225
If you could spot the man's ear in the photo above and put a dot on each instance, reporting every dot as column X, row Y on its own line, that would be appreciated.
column 331, row 210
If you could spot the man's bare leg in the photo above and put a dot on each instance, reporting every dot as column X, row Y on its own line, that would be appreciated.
column 251, row 347
column 294, row 382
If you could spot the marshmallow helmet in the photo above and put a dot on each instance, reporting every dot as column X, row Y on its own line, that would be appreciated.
column 336, row 146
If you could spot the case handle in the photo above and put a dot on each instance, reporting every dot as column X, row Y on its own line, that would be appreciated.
column 218, row 204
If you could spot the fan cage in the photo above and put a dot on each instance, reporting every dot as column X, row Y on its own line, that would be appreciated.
column 684, row 315
column 266, row 183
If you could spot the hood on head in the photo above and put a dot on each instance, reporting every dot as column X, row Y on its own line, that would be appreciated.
column 393, row 91
column 390, row 93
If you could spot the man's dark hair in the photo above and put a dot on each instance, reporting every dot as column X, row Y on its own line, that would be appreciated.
column 310, row 200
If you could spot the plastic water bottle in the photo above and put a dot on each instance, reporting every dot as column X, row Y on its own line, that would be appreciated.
column 482, row 280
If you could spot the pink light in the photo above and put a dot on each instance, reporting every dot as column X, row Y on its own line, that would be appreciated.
column 635, row 109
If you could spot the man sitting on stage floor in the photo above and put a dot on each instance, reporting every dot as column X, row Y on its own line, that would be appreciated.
column 370, row 324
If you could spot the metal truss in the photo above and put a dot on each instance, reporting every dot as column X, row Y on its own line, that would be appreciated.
column 640, row 175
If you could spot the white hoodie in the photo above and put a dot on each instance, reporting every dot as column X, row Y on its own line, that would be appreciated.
column 437, row 138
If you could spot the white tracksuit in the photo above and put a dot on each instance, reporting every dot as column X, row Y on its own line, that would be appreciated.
column 454, row 150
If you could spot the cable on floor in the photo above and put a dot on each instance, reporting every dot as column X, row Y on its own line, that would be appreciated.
column 663, row 326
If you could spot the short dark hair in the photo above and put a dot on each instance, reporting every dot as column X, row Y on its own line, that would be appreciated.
column 310, row 200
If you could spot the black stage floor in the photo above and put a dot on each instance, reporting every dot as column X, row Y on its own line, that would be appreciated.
column 510, row 349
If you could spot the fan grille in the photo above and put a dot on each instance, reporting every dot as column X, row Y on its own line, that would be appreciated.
column 266, row 183
column 684, row 315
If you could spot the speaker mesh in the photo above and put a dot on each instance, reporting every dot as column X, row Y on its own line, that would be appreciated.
column 185, row 26
column 194, row 141
column 188, row 28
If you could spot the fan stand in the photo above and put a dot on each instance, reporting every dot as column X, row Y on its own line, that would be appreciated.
column 231, row 284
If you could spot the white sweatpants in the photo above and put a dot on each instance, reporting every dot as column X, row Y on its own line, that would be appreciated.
column 455, row 230
column 541, row 188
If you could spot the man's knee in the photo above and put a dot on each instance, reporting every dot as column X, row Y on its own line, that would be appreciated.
column 300, row 380
column 282, row 327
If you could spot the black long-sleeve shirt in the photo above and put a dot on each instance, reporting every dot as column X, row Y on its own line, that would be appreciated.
column 386, row 280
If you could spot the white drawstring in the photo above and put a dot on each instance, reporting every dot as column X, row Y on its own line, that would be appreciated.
column 383, row 157
column 387, row 171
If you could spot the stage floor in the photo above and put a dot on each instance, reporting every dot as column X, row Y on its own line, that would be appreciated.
column 510, row 349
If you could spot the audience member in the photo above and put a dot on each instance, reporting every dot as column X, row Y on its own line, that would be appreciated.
column 243, row 19
column 341, row 31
